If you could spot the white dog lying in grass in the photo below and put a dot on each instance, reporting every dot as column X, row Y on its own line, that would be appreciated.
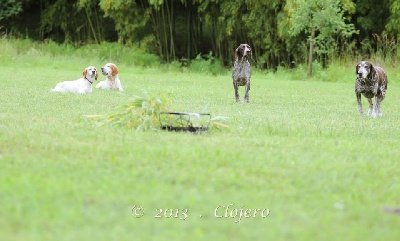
column 82, row 85
column 112, row 81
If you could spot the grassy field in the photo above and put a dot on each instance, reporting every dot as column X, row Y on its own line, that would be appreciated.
column 298, row 150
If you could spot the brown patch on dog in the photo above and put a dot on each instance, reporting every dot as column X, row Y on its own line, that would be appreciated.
column 114, row 69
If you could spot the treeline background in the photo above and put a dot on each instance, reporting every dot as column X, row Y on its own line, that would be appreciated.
column 279, row 31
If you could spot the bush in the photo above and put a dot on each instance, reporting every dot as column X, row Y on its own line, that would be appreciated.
column 141, row 114
column 207, row 64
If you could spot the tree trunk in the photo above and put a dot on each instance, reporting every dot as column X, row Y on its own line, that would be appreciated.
column 170, row 12
column 91, row 27
column 188, row 26
column 310, row 54
column 164, row 34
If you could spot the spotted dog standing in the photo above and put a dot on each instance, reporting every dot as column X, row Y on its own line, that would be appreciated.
column 372, row 82
column 241, row 71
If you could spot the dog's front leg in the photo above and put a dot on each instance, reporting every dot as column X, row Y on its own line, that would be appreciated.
column 371, row 109
column 377, row 107
column 236, row 87
column 360, row 109
column 246, row 93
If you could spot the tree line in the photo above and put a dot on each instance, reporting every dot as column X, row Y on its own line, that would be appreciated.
column 280, row 32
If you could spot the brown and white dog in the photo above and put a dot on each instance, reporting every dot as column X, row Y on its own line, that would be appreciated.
column 371, row 81
column 82, row 85
column 241, row 71
column 112, row 81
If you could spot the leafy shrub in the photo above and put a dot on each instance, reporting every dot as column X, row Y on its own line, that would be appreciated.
column 7, row 52
column 207, row 64
column 10, row 8
column 175, row 66
column 105, row 52
column 114, row 52
column 318, row 71
column 337, row 72
column 143, row 114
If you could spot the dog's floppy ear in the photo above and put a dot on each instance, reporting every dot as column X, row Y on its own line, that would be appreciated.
column 357, row 67
column 114, row 70
column 236, row 53
column 84, row 73
column 239, row 52
column 250, row 53
column 97, row 74
column 371, row 71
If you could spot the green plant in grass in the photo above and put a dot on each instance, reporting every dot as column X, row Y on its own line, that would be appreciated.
column 219, row 123
column 207, row 64
column 143, row 114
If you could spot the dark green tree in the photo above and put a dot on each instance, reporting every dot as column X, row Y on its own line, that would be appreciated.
column 75, row 21
column 371, row 16
column 393, row 23
column 322, row 21
column 9, row 8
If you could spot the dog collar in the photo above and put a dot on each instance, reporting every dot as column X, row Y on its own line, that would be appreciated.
column 91, row 82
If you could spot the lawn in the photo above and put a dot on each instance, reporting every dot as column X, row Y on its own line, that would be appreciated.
column 299, row 151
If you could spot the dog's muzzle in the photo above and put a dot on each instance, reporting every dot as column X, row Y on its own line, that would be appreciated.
column 246, row 51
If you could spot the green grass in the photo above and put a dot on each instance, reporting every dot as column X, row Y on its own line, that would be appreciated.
column 299, row 149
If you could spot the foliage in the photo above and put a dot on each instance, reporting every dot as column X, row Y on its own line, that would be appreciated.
column 207, row 64
column 78, row 20
column 9, row 8
column 219, row 123
column 324, row 17
column 173, row 30
column 261, row 20
column 149, row 113
column 393, row 25
column 252, row 22
column 114, row 52
column 367, row 22
column 104, row 52
column 140, row 114
column 386, row 48
column 322, row 21
column 128, row 16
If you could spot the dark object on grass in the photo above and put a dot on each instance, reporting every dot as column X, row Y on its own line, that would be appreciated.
column 395, row 211
column 187, row 122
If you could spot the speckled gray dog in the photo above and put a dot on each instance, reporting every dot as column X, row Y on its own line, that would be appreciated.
column 371, row 81
column 241, row 71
